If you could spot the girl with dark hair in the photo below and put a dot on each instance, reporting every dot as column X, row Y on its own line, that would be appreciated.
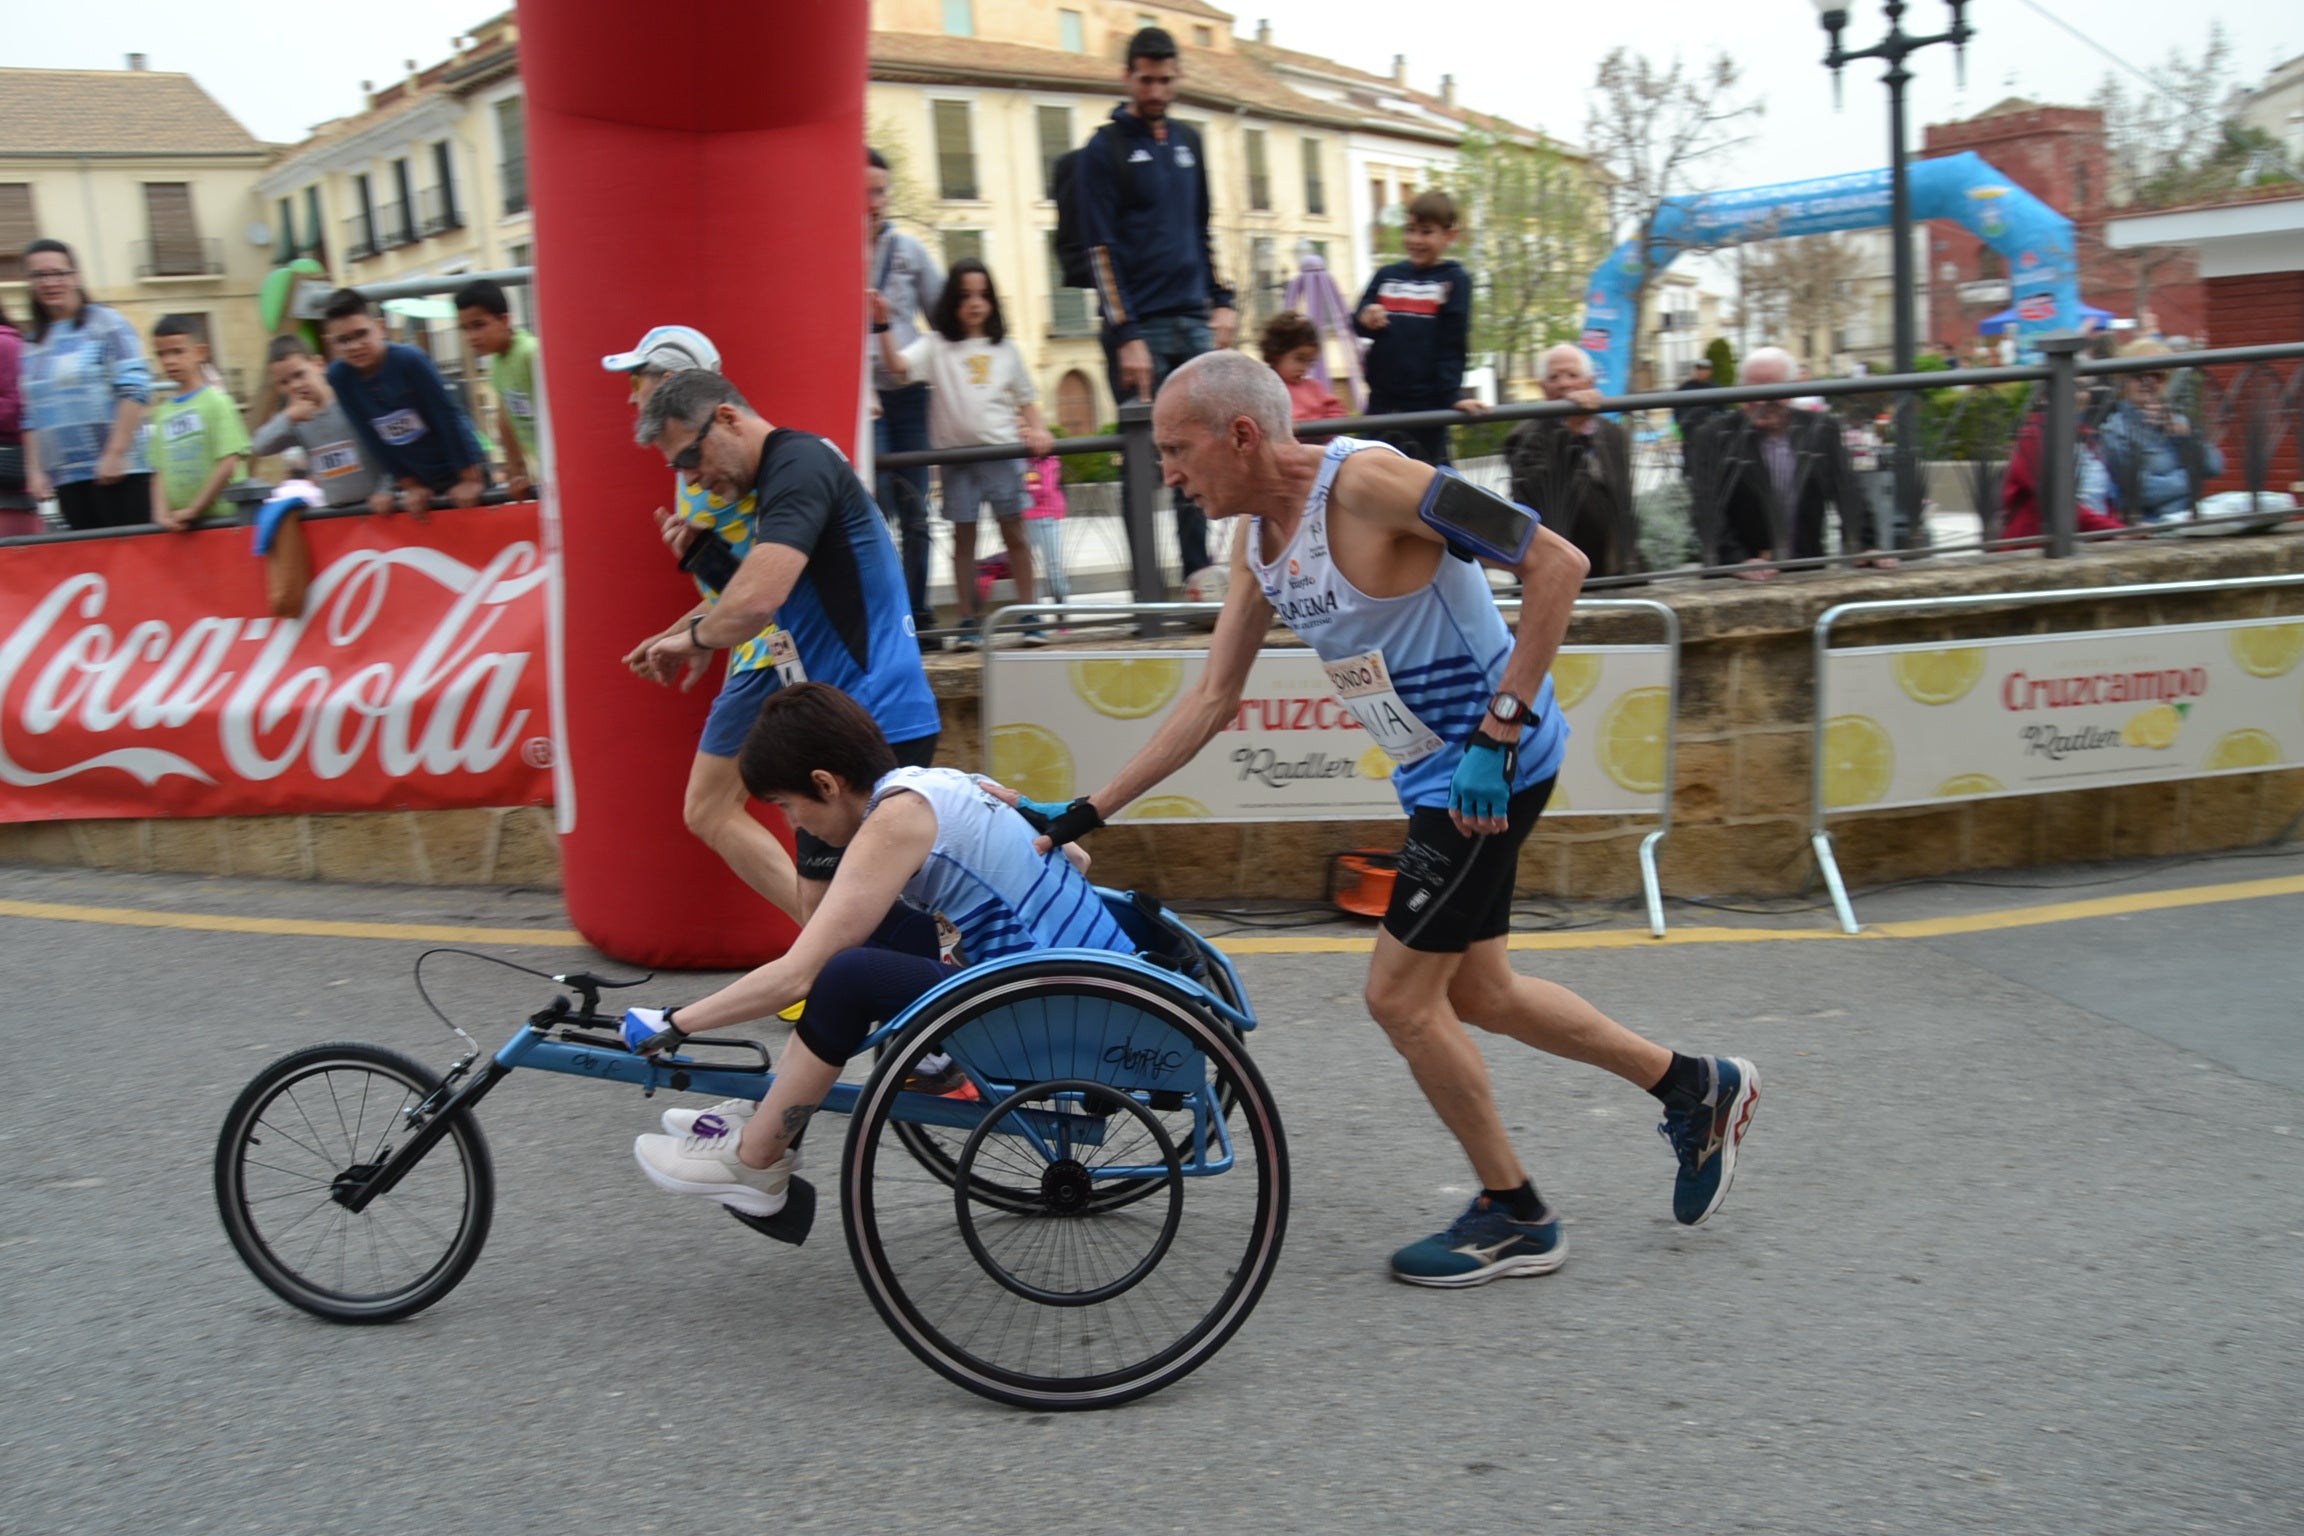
column 981, row 391
column 18, row 514
column 86, row 384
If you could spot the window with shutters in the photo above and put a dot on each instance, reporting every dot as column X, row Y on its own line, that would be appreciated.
column 962, row 242
column 398, row 217
column 437, row 210
column 955, row 151
column 512, row 144
column 314, row 240
column 1315, row 185
column 1055, row 142
column 174, row 248
column 1265, row 285
column 1259, row 172
column 283, row 231
column 1068, row 313
column 360, row 228
column 18, row 228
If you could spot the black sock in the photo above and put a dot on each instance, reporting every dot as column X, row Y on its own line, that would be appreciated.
column 1683, row 1080
column 1522, row 1204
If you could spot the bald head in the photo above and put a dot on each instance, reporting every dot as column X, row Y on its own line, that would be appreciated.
column 1567, row 370
column 1216, row 389
column 1769, row 365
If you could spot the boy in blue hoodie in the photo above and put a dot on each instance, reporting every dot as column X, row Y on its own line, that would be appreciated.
column 401, row 412
column 1418, row 315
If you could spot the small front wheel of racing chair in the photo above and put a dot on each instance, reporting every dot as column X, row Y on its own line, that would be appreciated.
column 1007, row 1265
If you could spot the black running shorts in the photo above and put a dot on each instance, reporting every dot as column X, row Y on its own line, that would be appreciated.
column 1452, row 891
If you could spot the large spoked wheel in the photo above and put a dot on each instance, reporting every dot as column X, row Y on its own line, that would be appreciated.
column 1009, row 1266
column 938, row 1147
column 316, row 1120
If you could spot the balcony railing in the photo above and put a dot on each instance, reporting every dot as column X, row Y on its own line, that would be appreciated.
column 181, row 257
column 437, row 212
column 514, row 175
column 394, row 228
column 360, row 238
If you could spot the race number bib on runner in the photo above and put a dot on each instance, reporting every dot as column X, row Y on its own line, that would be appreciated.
column 400, row 428
column 1364, row 685
column 784, row 655
column 331, row 460
column 516, row 402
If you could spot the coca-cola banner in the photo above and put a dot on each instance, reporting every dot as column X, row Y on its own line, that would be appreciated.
column 142, row 676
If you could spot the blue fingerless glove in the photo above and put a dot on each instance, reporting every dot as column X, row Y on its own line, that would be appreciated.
column 1483, row 783
column 1040, row 812
column 649, row 1030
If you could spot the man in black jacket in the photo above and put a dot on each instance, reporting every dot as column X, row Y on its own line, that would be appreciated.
column 1143, row 205
column 1690, row 418
column 1576, row 471
column 1762, row 476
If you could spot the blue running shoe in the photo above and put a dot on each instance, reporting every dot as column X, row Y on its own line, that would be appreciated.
column 1704, row 1134
column 1483, row 1245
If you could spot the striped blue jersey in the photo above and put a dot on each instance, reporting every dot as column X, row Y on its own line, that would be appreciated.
column 986, row 879
column 1416, row 670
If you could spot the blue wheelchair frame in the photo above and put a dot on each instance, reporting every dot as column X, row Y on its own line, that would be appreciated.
column 606, row 1058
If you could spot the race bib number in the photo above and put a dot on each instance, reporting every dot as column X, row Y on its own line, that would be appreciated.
column 1364, row 686
column 331, row 461
column 784, row 655
column 517, row 403
column 400, row 428
column 187, row 425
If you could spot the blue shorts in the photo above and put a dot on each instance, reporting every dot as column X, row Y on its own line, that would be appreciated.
column 733, row 712
column 969, row 486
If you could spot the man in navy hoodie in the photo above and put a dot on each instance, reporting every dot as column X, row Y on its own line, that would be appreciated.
column 1142, row 185
column 1418, row 314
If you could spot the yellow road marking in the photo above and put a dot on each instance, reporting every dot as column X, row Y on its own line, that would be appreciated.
column 296, row 927
column 1240, row 944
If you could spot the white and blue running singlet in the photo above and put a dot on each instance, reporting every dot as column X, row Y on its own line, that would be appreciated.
column 1417, row 670
column 987, row 880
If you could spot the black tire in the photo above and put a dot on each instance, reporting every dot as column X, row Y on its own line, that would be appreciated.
column 300, row 1125
column 1085, row 1302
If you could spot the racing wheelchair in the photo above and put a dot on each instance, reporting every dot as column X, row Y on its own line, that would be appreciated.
column 1078, row 1210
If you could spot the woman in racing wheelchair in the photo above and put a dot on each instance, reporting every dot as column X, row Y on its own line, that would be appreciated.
column 934, row 840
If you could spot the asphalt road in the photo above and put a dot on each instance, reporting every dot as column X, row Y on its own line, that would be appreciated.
column 2017, row 1246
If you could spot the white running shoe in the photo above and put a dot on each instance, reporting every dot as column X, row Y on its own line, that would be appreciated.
column 732, row 1113
column 707, row 1166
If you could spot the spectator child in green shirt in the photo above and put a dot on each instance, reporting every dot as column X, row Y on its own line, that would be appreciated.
column 199, row 442
column 485, row 318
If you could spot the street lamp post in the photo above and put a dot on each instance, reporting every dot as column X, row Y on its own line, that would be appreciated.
column 1893, row 50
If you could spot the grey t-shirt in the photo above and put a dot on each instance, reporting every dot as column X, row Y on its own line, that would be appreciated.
column 909, row 279
column 337, row 466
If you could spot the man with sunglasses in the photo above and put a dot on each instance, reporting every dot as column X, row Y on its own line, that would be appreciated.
column 709, row 536
column 815, row 558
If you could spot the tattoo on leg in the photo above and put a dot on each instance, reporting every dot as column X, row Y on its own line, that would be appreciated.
column 795, row 1117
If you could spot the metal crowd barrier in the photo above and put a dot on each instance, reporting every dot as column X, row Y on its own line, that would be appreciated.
column 1819, row 838
column 1015, row 618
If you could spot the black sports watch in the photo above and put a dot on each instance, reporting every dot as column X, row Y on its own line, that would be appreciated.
column 705, row 645
column 1508, row 709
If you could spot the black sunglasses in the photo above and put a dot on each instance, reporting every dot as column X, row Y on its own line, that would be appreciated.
column 689, row 457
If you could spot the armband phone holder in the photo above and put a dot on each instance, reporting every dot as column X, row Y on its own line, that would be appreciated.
column 1483, row 522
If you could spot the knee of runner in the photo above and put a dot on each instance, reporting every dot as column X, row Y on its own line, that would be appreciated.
column 831, row 1029
column 1401, row 1011
column 1479, row 999
column 704, row 814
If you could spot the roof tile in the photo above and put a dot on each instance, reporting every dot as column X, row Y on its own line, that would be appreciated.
column 113, row 111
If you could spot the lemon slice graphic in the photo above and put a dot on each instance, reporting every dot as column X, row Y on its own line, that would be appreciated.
column 1859, row 760
column 1939, row 677
column 1128, row 687
column 1033, row 761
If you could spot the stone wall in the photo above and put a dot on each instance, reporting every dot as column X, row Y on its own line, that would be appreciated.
column 1747, row 695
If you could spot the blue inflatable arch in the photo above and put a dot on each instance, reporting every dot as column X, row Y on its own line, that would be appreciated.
column 2035, row 240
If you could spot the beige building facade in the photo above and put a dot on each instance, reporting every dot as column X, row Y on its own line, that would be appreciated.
column 151, row 183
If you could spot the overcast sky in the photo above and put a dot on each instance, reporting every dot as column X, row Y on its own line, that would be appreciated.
column 1529, row 61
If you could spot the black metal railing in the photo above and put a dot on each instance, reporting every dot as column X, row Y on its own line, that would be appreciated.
column 437, row 212
column 395, row 225
column 360, row 237
column 514, row 175
column 186, row 256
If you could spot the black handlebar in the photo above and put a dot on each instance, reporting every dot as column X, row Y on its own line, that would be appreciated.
column 589, row 987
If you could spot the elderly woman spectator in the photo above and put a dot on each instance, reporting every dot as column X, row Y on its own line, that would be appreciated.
column 2157, row 463
column 85, row 386
column 17, row 514
column 1576, row 471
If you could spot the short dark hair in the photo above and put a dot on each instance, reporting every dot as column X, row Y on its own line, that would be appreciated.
column 804, row 727
column 1433, row 207
column 1150, row 43
column 175, row 325
column 688, row 396
column 283, row 348
column 483, row 293
column 345, row 303
column 946, row 319
column 38, row 318
column 874, row 160
column 1286, row 332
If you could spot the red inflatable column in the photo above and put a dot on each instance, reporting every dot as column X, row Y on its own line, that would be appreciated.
column 699, row 164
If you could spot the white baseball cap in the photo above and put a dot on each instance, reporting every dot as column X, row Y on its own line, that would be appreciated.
column 668, row 347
